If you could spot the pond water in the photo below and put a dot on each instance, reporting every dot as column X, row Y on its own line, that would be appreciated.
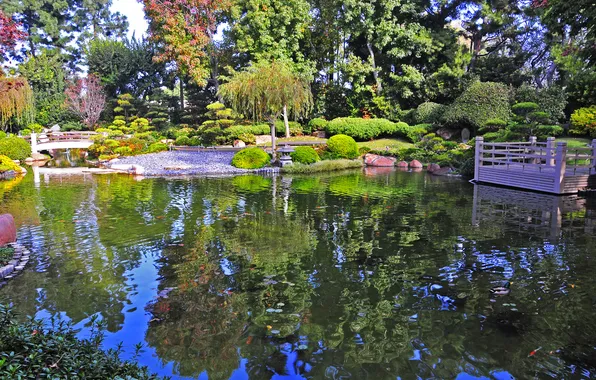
column 386, row 275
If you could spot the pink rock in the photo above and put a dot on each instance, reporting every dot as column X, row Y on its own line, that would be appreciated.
column 239, row 144
column 8, row 231
column 431, row 168
column 379, row 161
column 442, row 171
column 415, row 164
column 402, row 164
column 372, row 171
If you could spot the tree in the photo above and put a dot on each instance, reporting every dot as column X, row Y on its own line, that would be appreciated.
column 10, row 35
column 16, row 102
column 86, row 99
column 185, row 28
column 263, row 89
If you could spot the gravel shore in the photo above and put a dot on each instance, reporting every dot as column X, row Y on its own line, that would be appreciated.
column 178, row 163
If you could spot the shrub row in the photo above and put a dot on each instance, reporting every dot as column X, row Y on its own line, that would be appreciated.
column 365, row 129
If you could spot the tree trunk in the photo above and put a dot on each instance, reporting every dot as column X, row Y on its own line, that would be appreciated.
column 286, row 123
column 375, row 71
column 181, row 94
column 273, row 138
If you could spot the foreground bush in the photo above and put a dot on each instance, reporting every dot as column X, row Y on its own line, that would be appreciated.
column 250, row 158
column 583, row 121
column 30, row 350
column 342, row 146
column 15, row 148
column 322, row 166
column 479, row 103
column 7, row 165
column 305, row 155
column 363, row 129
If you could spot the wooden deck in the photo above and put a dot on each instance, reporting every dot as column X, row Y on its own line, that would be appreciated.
column 549, row 167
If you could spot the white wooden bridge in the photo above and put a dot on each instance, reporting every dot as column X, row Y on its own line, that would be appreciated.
column 60, row 140
column 549, row 167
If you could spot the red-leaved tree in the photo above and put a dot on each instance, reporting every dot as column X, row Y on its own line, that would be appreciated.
column 86, row 99
column 10, row 35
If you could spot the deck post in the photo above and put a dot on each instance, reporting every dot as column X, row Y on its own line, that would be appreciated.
column 532, row 149
column 478, row 157
column 550, row 147
column 593, row 167
column 34, row 142
column 560, row 166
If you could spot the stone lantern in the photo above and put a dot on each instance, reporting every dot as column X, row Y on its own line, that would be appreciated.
column 285, row 158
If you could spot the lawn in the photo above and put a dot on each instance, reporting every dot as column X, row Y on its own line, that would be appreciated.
column 293, row 139
column 386, row 144
column 575, row 142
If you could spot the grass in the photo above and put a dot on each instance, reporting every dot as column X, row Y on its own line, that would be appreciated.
column 284, row 140
column 322, row 166
column 383, row 144
column 6, row 254
column 575, row 142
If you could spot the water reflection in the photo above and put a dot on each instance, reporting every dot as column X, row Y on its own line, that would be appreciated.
column 357, row 275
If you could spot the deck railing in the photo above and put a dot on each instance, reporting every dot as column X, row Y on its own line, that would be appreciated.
column 548, row 160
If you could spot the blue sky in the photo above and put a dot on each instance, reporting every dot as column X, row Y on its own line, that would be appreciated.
column 133, row 10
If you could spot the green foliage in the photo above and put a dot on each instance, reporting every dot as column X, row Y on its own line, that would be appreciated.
column 492, row 125
column 305, row 155
column 6, row 253
column 551, row 100
column 6, row 164
column 72, row 126
column 157, row 147
column 479, row 103
column 343, row 146
column 31, row 350
column 583, row 121
column 250, row 158
column 416, row 132
column 248, row 138
column 182, row 141
column 15, row 148
column 363, row 129
column 524, row 109
column 428, row 113
column 323, row 166
column 317, row 124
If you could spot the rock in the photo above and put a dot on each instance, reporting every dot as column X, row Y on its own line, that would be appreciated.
column 114, row 161
column 442, row 171
column 372, row 171
column 239, row 144
column 379, row 161
column 431, row 168
column 8, row 231
column 55, row 128
column 402, row 164
column 415, row 164
column 137, row 170
column 8, row 174
column 39, row 157
column 19, row 268
column 263, row 139
column 446, row 133
column 29, row 159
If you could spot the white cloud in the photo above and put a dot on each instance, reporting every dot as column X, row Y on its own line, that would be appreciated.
column 133, row 10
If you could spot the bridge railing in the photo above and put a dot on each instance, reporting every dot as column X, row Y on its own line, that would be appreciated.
column 60, row 136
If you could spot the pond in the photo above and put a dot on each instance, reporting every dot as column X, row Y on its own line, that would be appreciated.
column 362, row 275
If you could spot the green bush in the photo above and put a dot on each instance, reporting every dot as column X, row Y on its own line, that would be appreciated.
column 362, row 129
column 493, row 125
column 248, row 138
column 15, row 148
column 182, row 141
column 209, row 136
column 317, row 124
column 305, row 155
column 6, row 164
column 583, row 121
column 280, row 128
column 479, row 103
column 250, row 158
column 343, row 146
column 524, row 109
column 123, row 151
column 72, row 126
column 236, row 131
column 428, row 113
column 2, row 135
column 32, row 350
column 416, row 132
column 551, row 100
column 157, row 147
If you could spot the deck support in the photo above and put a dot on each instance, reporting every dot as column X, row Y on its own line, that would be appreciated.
column 560, row 166
column 34, row 142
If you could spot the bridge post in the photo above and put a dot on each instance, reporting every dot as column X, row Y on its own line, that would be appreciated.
column 34, row 142
column 560, row 166
column 478, row 157
column 532, row 149
column 593, row 168
column 550, row 147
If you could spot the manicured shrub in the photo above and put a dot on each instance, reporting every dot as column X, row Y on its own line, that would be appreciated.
column 157, row 147
column 209, row 136
column 362, row 129
column 280, row 128
column 524, row 109
column 123, row 151
column 342, row 146
column 72, row 126
column 194, row 141
column 305, row 155
column 416, row 132
column 235, row 131
column 317, row 124
column 6, row 164
column 15, row 148
column 479, row 103
column 248, row 138
column 492, row 125
column 428, row 113
column 583, row 121
column 552, row 99
column 182, row 141
column 30, row 349
column 250, row 158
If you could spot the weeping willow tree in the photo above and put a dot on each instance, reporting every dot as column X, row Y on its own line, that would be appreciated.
column 16, row 103
column 263, row 89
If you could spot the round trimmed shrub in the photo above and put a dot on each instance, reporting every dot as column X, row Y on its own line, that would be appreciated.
column 182, row 141
column 428, row 113
column 15, row 148
column 583, row 121
column 250, row 158
column 343, row 146
column 305, row 155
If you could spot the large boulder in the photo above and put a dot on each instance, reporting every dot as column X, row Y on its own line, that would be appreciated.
column 379, row 161
column 8, row 230
column 415, row 164
column 431, row 168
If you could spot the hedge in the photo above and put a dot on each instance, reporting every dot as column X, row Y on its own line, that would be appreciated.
column 15, row 148
column 479, row 103
column 364, row 129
